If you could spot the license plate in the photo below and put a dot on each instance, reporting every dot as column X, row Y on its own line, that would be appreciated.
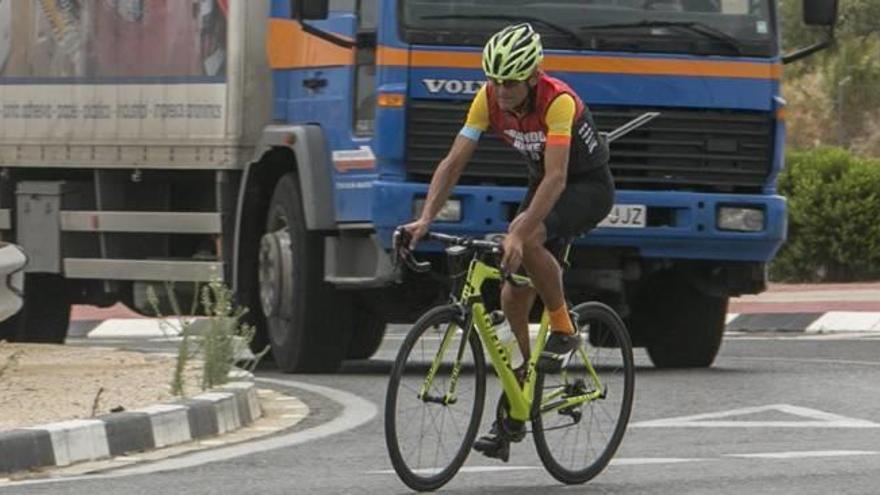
column 626, row 216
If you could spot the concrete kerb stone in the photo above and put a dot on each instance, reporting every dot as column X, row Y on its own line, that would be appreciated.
column 810, row 323
column 22, row 449
column 219, row 411
column 225, row 408
column 170, row 424
column 772, row 322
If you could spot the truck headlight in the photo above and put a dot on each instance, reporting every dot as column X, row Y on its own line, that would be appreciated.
column 740, row 219
column 451, row 211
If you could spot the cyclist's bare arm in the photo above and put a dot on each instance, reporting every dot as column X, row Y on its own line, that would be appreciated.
column 442, row 183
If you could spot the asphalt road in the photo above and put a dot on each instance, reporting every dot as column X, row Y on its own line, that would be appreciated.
column 774, row 415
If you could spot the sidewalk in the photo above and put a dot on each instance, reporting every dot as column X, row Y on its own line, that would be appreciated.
column 808, row 308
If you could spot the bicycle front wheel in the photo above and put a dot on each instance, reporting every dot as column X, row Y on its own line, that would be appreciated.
column 431, row 420
column 586, row 407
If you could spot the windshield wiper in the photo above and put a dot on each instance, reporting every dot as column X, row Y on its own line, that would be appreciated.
column 570, row 34
column 696, row 27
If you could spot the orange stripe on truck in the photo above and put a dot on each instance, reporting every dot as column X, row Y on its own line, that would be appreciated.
column 289, row 47
column 386, row 55
column 593, row 64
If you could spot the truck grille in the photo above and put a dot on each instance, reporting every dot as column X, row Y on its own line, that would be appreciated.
column 682, row 149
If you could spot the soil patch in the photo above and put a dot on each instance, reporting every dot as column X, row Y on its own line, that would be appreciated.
column 41, row 383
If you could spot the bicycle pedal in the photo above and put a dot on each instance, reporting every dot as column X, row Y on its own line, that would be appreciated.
column 495, row 448
column 514, row 431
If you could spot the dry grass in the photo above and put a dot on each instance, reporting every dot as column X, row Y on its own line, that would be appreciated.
column 812, row 120
column 809, row 114
column 867, row 143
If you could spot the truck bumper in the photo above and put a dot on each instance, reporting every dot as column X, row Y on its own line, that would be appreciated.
column 681, row 225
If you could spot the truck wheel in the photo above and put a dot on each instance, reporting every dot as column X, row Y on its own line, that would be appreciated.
column 681, row 326
column 305, row 327
column 45, row 316
column 367, row 332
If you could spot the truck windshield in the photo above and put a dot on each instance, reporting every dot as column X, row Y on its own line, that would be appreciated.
column 705, row 27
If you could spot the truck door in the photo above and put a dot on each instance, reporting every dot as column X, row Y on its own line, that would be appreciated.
column 336, row 88
column 353, row 160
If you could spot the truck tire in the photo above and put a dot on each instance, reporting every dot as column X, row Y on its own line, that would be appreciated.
column 681, row 326
column 45, row 316
column 306, row 329
column 367, row 333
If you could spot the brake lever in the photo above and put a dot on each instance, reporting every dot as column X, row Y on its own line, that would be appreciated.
column 416, row 265
column 398, row 240
column 400, row 244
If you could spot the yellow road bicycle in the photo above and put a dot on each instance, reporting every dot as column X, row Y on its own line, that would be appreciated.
column 436, row 393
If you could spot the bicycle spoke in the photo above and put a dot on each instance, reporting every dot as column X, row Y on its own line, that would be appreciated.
column 576, row 442
column 430, row 436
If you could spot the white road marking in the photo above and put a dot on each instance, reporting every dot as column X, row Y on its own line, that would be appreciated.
column 804, row 454
column 466, row 469
column 645, row 461
column 356, row 411
column 816, row 419
column 648, row 461
column 624, row 461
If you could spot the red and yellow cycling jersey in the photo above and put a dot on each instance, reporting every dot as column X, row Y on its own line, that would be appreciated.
column 556, row 114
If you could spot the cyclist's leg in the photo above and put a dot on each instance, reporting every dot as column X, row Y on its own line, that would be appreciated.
column 543, row 269
column 585, row 201
column 517, row 302
column 546, row 274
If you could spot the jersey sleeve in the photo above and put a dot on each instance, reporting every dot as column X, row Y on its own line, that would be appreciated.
column 560, row 118
column 478, row 117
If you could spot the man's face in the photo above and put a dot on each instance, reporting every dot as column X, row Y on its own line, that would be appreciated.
column 512, row 94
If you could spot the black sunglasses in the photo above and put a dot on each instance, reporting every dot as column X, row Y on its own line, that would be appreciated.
column 508, row 84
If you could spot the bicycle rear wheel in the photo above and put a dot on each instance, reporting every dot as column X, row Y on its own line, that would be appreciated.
column 576, row 442
column 429, row 437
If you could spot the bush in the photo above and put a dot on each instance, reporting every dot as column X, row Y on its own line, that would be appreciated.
column 223, row 342
column 833, row 212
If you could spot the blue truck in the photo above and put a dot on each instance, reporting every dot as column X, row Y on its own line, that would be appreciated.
column 282, row 153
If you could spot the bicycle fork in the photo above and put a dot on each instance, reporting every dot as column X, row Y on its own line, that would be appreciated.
column 449, row 396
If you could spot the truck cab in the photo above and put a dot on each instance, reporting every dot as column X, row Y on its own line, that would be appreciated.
column 696, row 217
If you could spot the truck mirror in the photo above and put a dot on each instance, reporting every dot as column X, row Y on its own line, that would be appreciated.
column 310, row 10
column 820, row 12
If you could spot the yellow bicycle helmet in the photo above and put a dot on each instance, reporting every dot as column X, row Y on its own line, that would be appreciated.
column 513, row 53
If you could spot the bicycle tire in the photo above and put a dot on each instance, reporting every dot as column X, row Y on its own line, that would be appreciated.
column 426, row 477
column 598, row 318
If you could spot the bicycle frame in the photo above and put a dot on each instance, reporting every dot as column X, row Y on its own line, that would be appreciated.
column 519, row 398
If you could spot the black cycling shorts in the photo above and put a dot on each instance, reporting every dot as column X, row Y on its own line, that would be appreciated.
column 586, row 200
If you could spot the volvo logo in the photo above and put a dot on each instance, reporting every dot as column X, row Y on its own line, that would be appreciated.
column 452, row 86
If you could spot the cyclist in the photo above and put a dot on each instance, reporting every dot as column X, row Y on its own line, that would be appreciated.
column 570, row 186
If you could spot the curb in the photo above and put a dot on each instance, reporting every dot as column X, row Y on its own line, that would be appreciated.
column 222, row 410
column 811, row 323
column 794, row 322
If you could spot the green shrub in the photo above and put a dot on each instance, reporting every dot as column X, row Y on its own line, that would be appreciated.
column 833, row 218
column 222, row 342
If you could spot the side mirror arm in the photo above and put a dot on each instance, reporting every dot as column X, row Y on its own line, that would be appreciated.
column 809, row 50
column 328, row 36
